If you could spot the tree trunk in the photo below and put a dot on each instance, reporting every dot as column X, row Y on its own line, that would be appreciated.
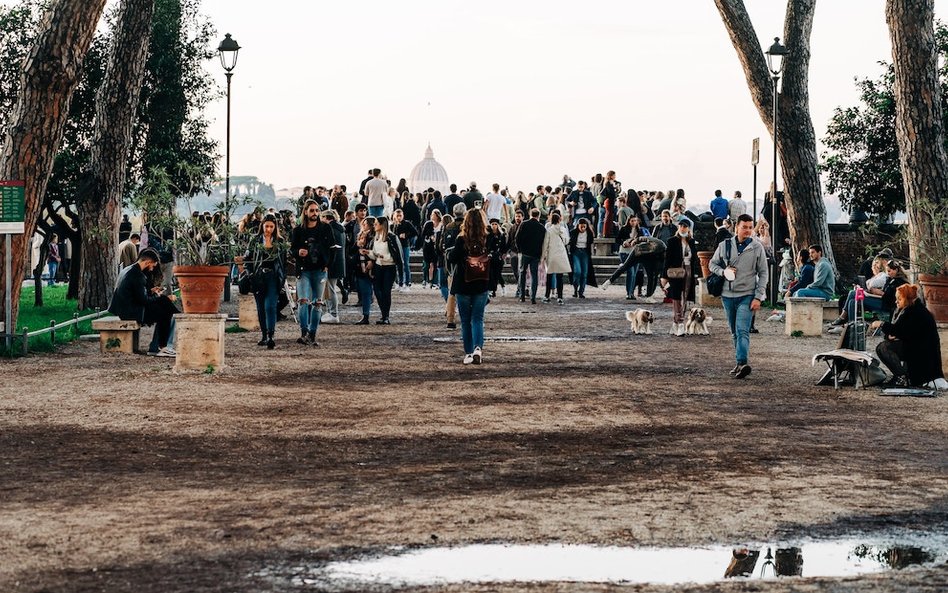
column 919, row 126
column 50, row 75
column 99, row 199
column 796, row 141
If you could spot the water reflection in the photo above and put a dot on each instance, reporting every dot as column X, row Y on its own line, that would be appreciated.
column 486, row 563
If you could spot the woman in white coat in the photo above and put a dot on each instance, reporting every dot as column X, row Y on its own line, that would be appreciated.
column 555, row 256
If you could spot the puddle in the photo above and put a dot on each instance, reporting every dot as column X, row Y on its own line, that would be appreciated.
column 498, row 563
column 517, row 339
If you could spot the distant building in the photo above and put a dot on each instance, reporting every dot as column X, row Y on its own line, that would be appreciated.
column 428, row 173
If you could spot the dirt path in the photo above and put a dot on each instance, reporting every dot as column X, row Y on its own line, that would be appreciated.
column 119, row 475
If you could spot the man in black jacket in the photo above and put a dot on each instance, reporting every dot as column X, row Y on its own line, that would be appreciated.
column 530, row 238
column 133, row 301
column 473, row 197
column 336, row 264
column 450, row 200
column 311, row 245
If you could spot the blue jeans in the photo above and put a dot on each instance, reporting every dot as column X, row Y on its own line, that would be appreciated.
column 630, row 275
column 869, row 304
column 53, row 267
column 267, row 305
column 471, row 308
column 601, row 220
column 364, row 286
column 739, row 317
column 580, row 270
column 814, row 293
column 376, row 211
column 406, row 269
column 443, row 284
column 309, row 289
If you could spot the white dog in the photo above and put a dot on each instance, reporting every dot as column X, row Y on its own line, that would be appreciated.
column 698, row 322
column 641, row 321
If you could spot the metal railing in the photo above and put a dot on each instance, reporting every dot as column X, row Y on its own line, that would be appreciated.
column 54, row 327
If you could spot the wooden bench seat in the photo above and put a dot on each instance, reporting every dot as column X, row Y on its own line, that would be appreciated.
column 117, row 335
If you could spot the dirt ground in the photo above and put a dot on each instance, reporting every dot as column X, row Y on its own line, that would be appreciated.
column 119, row 475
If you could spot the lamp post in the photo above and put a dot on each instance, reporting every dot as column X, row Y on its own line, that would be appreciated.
column 228, row 50
column 775, row 63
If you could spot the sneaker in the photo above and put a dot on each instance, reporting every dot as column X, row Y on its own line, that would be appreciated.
column 546, row 299
column 452, row 326
column 679, row 329
column 477, row 356
column 424, row 284
column 605, row 284
column 300, row 340
column 262, row 342
column 363, row 321
column 533, row 301
column 582, row 296
column 327, row 318
column 311, row 338
column 835, row 330
column 166, row 352
column 503, row 291
column 838, row 321
column 152, row 353
column 559, row 301
column 649, row 301
column 733, row 371
column 743, row 371
column 754, row 330
column 468, row 359
column 271, row 344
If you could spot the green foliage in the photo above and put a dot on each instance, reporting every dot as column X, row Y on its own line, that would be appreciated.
column 113, row 343
column 796, row 334
column 861, row 160
column 209, row 370
column 55, row 306
column 17, row 30
column 235, row 329
column 931, row 257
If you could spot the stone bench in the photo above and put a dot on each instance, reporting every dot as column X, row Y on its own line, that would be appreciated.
column 804, row 314
column 247, row 312
column 602, row 246
column 117, row 335
column 830, row 310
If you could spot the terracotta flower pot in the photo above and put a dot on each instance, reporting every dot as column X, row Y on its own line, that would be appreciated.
column 935, row 288
column 202, row 287
column 705, row 258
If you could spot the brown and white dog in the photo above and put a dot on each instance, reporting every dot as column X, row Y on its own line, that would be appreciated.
column 641, row 321
column 697, row 322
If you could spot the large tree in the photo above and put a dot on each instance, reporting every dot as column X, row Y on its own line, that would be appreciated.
column 796, row 144
column 102, row 186
column 919, row 120
column 35, row 128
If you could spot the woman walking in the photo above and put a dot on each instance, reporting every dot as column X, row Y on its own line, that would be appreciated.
column 626, row 239
column 406, row 233
column 472, row 260
column 497, row 247
column 265, row 260
column 386, row 254
column 429, row 235
column 555, row 256
column 363, row 272
column 580, row 248
column 679, row 274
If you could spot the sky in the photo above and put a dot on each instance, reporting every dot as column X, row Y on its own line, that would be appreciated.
column 517, row 92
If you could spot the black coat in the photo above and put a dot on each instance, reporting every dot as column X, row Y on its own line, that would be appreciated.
column 412, row 213
column 337, row 251
column 395, row 249
column 530, row 237
column 131, row 295
column 674, row 258
column 459, row 285
column 915, row 327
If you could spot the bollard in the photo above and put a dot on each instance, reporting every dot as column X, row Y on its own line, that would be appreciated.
column 75, row 327
column 26, row 340
column 52, row 332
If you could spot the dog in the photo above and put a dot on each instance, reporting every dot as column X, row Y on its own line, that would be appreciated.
column 641, row 321
column 697, row 323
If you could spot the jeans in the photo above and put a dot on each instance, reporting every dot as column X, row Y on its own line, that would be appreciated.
column 443, row 284
column 739, row 317
column 309, row 289
column 332, row 293
column 53, row 268
column 533, row 263
column 471, row 308
column 554, row 282
column 376, row 211
column 515, row 268
column 267, row 306
column 384, row 280
column 406, row 269
column 600, row 220
column 869, row 304
column 814, row 293
column 364, row 287
column 580, row 270
column 630, row 275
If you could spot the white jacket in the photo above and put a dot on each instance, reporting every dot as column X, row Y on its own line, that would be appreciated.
column 554, row 250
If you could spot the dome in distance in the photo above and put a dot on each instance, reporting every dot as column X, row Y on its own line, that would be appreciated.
column 428, row 173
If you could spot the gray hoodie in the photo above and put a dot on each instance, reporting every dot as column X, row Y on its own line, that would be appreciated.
column 752, row 272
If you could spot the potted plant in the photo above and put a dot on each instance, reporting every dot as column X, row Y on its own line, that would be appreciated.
column 204, row 245
column 931, row 260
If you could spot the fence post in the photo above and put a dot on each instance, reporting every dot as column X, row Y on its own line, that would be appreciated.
column 52, row 332
column 75, row 328
column 26, row 341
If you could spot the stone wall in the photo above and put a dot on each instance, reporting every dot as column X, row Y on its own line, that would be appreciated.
column 850, row 244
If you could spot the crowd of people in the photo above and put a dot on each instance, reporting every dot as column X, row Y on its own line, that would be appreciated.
column 336, row 246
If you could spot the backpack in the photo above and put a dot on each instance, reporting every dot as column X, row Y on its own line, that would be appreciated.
column 477, row 267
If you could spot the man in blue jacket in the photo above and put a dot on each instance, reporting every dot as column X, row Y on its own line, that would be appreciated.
column 719, row 205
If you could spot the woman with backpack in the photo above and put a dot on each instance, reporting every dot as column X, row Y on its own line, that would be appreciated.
column 469, row 285
column 264, row 260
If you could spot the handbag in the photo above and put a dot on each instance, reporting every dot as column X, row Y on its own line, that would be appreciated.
column 715, row 283
column 675, row 273
column 477, row 268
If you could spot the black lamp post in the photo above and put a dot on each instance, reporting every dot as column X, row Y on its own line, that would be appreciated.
column 775, row 63
column 228, row 50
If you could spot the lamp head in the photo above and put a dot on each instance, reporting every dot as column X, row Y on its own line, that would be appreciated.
column 228, row 51
column 775, row 57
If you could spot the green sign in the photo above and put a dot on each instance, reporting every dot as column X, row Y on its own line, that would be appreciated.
column 12, row 206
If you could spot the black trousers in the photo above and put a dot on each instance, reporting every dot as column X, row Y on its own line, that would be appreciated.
column 384, row 280
column 160, row 312
column 892, row 353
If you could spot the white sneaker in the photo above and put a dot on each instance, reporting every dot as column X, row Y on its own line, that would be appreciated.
column 424, row 285
column 327, row 318
column 649, row 301
column 680, row 331
column 468, row 359
column 477, row 356
column 166, row 352
column 673, row 329
column 503, row 291
column 605, row 285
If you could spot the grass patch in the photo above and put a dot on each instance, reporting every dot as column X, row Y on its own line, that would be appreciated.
column 234, row 329
column 55, row 307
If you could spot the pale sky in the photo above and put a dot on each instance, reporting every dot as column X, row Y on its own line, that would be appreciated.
column 520, row 92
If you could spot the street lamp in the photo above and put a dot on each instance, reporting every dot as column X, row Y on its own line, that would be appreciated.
column 775, row 63
column 228, row 50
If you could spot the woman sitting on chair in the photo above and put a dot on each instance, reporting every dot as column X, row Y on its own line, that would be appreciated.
column 911, row 348
column 878, row 300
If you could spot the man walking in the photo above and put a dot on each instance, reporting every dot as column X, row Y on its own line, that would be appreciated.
column 311, row 245
column 530, row 238
column 745, row 286
column 375, row 192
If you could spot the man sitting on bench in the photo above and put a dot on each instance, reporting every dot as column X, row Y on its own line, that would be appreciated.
column 134, row 301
